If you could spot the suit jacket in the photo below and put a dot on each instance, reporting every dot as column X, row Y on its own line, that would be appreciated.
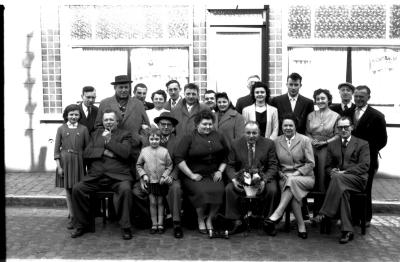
column 135, row 114
column 372, row 128
column 264, row 158
column 244, row 101
column 303, row 107
column 338, row 109
column 355, row 160
column 117, row 167
column 299, row 156
column 186, row 119
column 231, row 124
column 168, row 106
column 88, row 121
column 272, row 126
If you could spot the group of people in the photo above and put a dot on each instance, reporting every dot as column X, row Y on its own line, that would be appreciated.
column 180, row 148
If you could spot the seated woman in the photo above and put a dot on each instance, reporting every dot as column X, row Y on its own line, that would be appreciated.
column 158, row 97
column 321, row 129
column 296, row 163
column 201, row 157
column 265, row 115
column 228, row 121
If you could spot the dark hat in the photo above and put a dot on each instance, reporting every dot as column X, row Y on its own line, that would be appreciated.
column 122, row 79
column 168, row 116
column 347, row 84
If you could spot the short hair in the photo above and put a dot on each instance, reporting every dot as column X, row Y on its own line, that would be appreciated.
column 254, row 76
column 364, row 87
column 343, row 118
column 251, row 122
column 209, row 91
column 159, row 92
column 110, row 110
column 191, row 86
column 291, row 116
column 223, row 95
column 141, row 85
column 172, row 82
column 263, row 85
column 204, row 114
column 154, row 132
column 86, row 89
column 68, row 109
column 294, row 76
column 323, row 91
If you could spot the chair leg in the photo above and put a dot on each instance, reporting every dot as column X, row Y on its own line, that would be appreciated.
column 104, row 210
column 92, row 214
column 287, row 219
column 364, row 215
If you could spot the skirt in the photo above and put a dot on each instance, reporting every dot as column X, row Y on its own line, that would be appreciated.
column 299, row 185
column 73, row 170
column 205, row 191
column 158, row 190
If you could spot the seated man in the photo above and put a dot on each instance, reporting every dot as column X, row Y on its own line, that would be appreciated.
column 347, row 164
column 108, row 155
column 263, row 157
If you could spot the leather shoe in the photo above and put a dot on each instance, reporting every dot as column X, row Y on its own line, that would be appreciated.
column 178, row 233
column 203, row 231
column 238, row 227
column 269, row 227
column 78, row 232
column 302, row 235
column 126, row 233
column 346, row 237
column 70, row 225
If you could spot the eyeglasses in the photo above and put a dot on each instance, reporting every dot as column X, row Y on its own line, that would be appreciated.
column 344, row 127
column 165, row 124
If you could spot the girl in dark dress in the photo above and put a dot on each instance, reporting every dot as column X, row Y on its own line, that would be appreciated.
column 202, row 157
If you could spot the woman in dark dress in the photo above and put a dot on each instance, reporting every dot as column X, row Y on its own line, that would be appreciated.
column 202, row 156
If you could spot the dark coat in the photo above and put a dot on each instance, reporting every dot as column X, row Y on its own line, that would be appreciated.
column 117, row 167
column 372, row 128
column 303, row 107
column 244, row 101
column 338, row 109
column 265, row 157
column 88, row 121
column 148, row 105
column 231, row 125
column 167, row 104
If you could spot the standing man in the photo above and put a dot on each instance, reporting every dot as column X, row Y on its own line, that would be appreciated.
column 244, row 101
column 293, row 102
column 252, row 151
column 108, row 154
column 347, row 164
column 370, row 125
column 140, row 92
column 173, row 89
column 209, row 98
column 87, row 109
column 185, row 111
column 346, row 107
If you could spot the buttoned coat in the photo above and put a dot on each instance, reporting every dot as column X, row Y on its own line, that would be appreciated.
column 338, row 109
column 88, row 121
column 272, row 126
column 231, row 124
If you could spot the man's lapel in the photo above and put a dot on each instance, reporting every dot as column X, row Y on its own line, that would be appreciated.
column 299, row 106
column 350, row 148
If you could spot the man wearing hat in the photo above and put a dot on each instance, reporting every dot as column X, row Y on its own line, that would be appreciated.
column 346, row 107
column 166, row 123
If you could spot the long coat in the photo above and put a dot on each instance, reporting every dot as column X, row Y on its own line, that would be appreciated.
column 303, row 107
column 272, row 126
column 231, row 124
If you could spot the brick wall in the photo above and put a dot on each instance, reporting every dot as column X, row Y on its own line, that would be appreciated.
column 275, row 50
column 199, row 48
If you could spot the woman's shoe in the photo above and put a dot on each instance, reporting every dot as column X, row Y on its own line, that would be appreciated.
column 302, row 235
column 153, row 230
column 160, row 229
column 203, row 231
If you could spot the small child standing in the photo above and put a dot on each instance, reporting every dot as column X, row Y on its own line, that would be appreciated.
column 154, row 165
column 71, row 140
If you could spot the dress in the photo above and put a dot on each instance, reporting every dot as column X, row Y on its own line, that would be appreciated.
column 203, row 155
column 321, row 129
column 69, row 146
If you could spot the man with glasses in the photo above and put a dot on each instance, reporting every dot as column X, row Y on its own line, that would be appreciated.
column 348, row 161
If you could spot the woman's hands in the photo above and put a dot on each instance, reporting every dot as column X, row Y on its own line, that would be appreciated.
column 60, row 172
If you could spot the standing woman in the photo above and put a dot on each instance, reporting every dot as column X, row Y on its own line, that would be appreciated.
column 296, row 163
column 201, row 156
column 321, row 129
column 265, row 115
column 158, row 97
column 71, row 140
column 228, row 121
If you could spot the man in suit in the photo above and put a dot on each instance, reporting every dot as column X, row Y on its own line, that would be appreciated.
column 87, row 109
column 244, row 101
column 252, row 151
column 108, row 154
column 209, row 100
column 173, row 89
column 348, row 161
column 370, row 125
column 293, row 102
column 346, row 107
column 185, row 111
column 140, row 92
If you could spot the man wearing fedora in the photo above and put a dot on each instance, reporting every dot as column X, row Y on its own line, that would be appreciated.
column 346, row 107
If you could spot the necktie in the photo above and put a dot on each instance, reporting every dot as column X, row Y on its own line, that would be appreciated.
column 89, row 110
column 356, row 116
column 346, row 108
column 173, row 104
column 344, row 145
column 251, row 155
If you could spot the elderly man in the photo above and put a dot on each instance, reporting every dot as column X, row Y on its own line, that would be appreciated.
column 346, row 107
column 249, row 152
column 247, row 100
column 347, row 163
column 140, row 92
column 370, row 125
column 173, row 89
column 87, row 109
column 108, row 155
column 209, row 100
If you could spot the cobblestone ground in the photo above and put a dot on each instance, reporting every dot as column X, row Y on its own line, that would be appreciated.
column 41, row 234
